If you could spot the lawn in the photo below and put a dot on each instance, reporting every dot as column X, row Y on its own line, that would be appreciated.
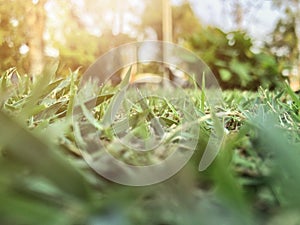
column 44, row 150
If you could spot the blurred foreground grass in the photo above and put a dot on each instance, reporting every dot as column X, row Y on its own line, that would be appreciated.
column 44, row 179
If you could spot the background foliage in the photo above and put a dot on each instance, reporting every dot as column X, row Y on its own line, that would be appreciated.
column 232, row 60
column 82, row 33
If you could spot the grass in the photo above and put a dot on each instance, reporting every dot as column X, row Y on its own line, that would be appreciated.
column 43, row 177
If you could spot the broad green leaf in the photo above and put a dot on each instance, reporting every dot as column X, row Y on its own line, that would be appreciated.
column 225, row 74
column 242, row 70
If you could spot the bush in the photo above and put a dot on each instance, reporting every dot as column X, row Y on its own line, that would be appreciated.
column 231, row 59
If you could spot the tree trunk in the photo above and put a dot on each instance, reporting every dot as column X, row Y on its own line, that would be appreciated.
column 167, row 21
column 35, row 20
column 166, row 35
column 238, row 15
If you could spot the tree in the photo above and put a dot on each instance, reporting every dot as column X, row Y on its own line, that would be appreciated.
column 185, row 23
column 151, row 18
column 21, row 35
column 12, row 35
column 87, row 31
column 80, row 30
column 287, row 36
column 284, row 41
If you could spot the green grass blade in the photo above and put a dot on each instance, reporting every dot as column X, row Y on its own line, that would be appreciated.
column 116, row 101
column 40, row 156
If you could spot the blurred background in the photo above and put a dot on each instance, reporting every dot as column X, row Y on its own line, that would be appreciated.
column 245, row 43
